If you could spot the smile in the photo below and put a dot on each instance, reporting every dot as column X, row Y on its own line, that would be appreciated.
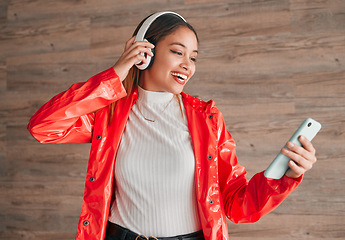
column 180, row 76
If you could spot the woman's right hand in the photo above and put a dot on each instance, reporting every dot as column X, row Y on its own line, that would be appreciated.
column 132, row 56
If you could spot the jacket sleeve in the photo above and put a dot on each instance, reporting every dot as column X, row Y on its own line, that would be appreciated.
column 69, row 116
column 247, row 201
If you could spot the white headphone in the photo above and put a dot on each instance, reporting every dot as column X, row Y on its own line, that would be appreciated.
column 141, row 36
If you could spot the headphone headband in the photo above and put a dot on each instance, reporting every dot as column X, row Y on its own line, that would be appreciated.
column 147, row 23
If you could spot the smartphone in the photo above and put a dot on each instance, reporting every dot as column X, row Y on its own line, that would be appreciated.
column 309, row 128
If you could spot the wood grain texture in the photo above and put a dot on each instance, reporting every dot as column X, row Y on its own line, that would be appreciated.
column 267, row 65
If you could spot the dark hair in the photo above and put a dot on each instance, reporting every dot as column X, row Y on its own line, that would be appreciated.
column 163, row 26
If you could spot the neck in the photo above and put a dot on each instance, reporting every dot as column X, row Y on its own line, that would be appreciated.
column 152, row 97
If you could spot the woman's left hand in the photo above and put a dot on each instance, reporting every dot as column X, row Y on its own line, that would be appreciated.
column 302, row 158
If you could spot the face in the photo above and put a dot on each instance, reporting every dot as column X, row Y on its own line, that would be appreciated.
column 174, row 62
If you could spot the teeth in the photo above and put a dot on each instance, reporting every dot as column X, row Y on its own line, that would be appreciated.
column 179, row 75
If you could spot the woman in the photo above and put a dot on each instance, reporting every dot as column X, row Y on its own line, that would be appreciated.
column 162, row 163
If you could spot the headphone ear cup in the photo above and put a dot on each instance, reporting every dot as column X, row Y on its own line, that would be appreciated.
column 150, row 61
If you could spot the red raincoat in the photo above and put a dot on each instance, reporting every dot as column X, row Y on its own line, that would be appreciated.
column 81, row 114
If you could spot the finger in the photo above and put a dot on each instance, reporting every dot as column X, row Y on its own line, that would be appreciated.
column 138, row 50
column 135, row 53
column 139, row 58
column 310, row 156
column 298, row 158
column 297, row 149
column 140, row 44
column 298, row 171
column 129, row 42
column 307, row 144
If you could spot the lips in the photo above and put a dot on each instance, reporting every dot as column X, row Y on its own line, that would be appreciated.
column 180, row 77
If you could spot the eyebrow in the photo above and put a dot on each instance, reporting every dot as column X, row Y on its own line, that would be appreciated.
column 180, row 44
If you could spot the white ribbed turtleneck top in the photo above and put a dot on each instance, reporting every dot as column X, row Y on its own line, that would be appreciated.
column 154, row 170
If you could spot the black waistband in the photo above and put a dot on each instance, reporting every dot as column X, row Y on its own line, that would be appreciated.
column 116, row 232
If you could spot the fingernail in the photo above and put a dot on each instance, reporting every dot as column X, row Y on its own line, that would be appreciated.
column 290, row 144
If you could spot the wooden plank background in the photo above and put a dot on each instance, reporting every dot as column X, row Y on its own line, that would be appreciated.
column 268, row 64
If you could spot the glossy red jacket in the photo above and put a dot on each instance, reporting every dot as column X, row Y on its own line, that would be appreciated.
column 81, row 114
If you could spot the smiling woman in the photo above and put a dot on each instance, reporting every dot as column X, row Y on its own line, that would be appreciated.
column 163, row 26
column 159, row 167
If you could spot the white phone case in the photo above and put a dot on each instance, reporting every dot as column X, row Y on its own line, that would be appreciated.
column 309, row 128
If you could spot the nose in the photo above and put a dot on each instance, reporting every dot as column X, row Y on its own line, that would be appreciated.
column 186, row 64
